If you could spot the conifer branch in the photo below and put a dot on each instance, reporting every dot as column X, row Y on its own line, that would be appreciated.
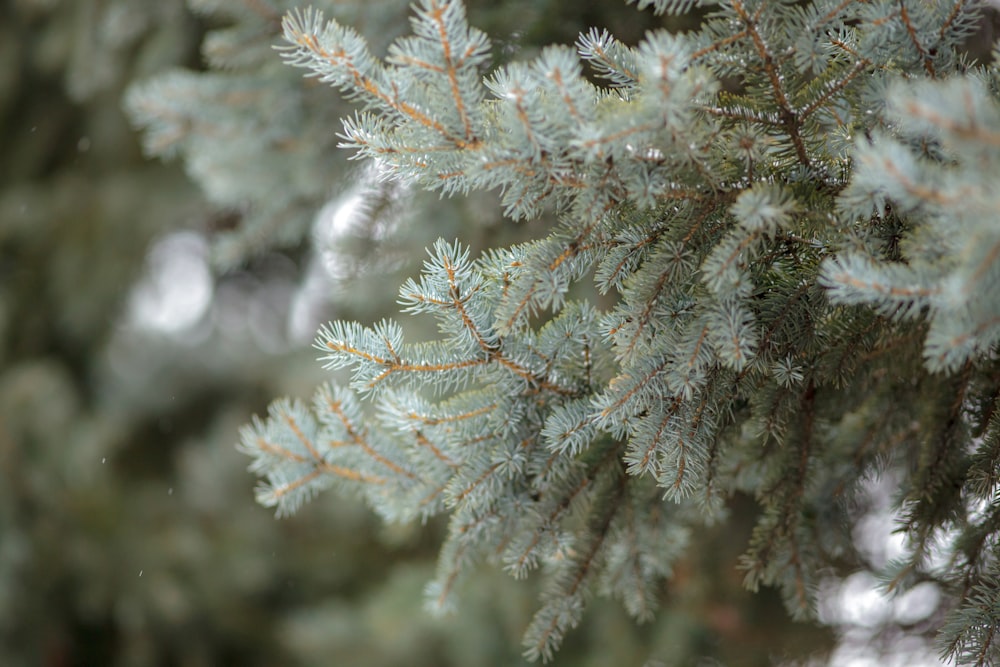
column 785, row 222
column 834, row 89
column 335, row 408
column 911, row 32
column 787, row 117
column 547, row 629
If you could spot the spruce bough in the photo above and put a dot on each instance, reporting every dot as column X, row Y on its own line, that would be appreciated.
column 775, row 269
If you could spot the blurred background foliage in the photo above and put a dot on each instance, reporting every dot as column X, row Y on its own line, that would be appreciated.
column 148, row 308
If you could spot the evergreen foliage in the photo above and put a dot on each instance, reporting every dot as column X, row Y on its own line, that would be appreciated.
column 789, row 217
column 189, row 113
column 127, row 534
column 851, row 335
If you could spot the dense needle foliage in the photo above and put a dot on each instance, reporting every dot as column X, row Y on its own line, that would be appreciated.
column 766, row 261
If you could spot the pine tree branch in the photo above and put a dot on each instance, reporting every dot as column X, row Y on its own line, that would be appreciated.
column 834, row 89
column 436, row 13
column 764, row 275
column 789, row 120
column 911, row 31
